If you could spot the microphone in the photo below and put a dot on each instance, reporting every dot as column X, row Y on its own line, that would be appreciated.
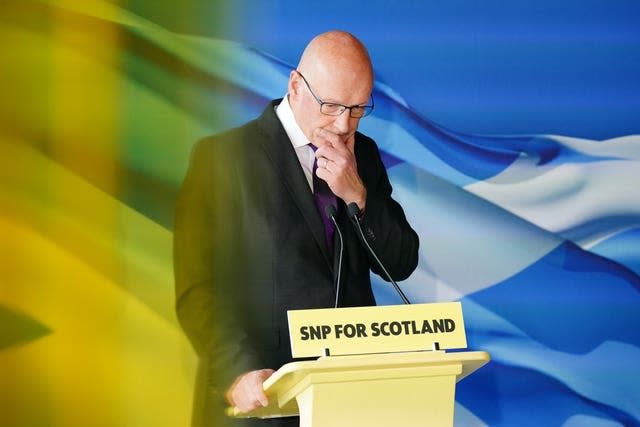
column 354, row 211
column 330, row 211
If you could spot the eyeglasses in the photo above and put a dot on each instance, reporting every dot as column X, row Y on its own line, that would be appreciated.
column 333, row 109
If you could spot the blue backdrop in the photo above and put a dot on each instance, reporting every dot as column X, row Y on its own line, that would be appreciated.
column 511, row 133
column 523, row 66
column 538, row 235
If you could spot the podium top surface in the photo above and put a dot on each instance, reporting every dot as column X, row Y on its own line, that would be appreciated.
column 285, row 379
column 470, row 361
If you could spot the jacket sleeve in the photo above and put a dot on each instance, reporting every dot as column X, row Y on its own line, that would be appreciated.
column 384, row 223
column 207, row 267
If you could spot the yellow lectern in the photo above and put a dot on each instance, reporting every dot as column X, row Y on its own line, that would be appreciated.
column 395, row 389
column 406, row 388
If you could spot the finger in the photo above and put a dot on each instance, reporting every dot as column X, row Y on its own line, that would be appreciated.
column 265, row 373
column 326, row 137
column 262, row 376
column 260, row 398
column 325, row 175
column 338, row 164
column 240, row 397
column 325, row 163
column 245, row 407
column 248, row 401
column 247, row 393
column 334, row 151
column 333, row 167
column 331, row 154
column 242, row 402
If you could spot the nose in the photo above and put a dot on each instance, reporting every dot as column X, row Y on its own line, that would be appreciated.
column 343, row 122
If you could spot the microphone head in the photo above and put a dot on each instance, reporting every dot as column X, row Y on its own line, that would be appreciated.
column 330, row 211
column 353, row 209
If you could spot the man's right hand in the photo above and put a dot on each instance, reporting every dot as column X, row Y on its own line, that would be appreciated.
column 246, row 392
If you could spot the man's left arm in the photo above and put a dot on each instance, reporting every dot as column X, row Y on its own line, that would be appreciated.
column 383, row 220
column 355, row 173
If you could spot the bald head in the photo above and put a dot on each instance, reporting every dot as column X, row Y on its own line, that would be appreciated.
column 337, row 70
column 337, row 55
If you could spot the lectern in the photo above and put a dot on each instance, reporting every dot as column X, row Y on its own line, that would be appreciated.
column 404, row 388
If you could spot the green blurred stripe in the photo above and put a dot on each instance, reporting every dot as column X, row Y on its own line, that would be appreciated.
column 172, row 87
column 130, row 250
column 156, row 130
column 19, row 328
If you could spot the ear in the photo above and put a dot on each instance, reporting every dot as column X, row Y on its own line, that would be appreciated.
column 293, row 87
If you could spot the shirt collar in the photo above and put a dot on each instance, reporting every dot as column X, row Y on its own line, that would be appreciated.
column 285, row 114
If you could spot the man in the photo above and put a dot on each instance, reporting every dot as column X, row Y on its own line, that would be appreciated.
column 251, row 237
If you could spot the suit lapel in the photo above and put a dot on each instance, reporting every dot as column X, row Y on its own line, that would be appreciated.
column 283, row 159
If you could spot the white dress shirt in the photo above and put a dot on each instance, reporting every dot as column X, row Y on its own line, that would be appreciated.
column 300, row 143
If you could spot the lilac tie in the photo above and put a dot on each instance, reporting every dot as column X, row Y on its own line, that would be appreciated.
column 324, row 197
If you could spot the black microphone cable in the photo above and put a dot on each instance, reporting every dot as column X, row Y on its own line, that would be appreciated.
column 354, row 211
column 330, row 211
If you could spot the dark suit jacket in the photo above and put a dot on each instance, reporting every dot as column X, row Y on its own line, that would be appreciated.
column 249, row 245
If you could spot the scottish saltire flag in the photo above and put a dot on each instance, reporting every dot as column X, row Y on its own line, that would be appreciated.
column 537, row 235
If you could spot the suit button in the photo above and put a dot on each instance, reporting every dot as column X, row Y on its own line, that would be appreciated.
column 370, row 235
